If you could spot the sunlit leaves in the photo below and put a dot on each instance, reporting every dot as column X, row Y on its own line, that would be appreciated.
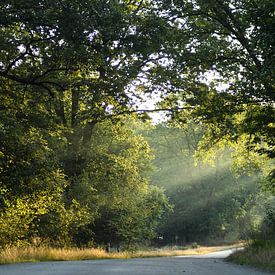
column 231, row 41
column 211, row 201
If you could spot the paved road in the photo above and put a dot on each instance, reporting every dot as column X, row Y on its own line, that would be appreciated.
column 214, row 255
column 209, row 264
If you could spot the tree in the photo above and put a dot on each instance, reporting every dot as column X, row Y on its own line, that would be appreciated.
column 136, row 221
column 229, row 42
column 32, row 181
column 81, row 71
column 115, row 185
column 211, row 202
column 65, row 67
column 219, row 68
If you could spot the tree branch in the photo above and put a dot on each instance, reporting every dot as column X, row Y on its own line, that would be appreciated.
column 27, row 81
column 151, row 111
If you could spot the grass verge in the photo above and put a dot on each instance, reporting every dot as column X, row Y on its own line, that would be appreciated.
column 40, row 254
column 258, row 253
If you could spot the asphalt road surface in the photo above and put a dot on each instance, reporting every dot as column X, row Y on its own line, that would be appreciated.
column 212, row 263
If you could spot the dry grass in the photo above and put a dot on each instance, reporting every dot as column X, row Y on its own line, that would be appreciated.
column 258, row 254
column 185, row 252
column 40, row 254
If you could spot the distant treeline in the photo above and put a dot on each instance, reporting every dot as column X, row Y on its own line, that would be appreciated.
column 215, row 201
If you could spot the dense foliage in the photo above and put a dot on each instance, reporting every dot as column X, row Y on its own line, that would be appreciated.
column 230, row 43
column 67, row 161
column 212, row 201
column 73, row 168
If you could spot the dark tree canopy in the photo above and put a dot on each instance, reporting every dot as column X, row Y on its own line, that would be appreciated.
column 66, row 69
column 232, row 44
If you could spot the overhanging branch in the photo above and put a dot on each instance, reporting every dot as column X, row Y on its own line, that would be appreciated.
column 151, row 111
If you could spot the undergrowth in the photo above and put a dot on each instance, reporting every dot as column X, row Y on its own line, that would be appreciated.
column 40, row 254
column 259, row 253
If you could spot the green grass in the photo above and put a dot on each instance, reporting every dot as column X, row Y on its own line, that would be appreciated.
column 258, row 253
column 40, row 254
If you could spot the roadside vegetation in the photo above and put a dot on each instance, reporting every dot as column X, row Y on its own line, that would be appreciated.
column 82, row 163
column 260, row 254
column 42, row 254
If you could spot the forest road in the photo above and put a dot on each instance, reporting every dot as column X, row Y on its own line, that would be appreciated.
column 208, row 264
